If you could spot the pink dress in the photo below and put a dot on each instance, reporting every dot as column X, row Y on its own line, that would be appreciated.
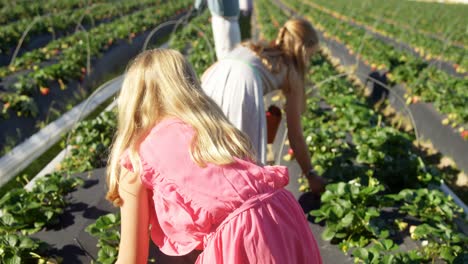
column 237, row 213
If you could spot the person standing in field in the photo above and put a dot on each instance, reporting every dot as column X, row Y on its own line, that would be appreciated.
column 224, row 22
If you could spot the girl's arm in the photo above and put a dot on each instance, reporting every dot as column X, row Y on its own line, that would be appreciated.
column 294, row 108
column 295, row 133
column 134, row 234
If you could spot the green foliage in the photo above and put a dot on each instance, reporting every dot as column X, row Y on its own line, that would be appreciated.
column 447, row 93
column 89, row 143
column 107, row 230
column 30, row 211
column 16, row 248
column 351, row 213
column 70, row 54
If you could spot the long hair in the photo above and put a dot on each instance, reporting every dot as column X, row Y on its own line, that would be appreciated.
column 161, row 83
column 289, row 50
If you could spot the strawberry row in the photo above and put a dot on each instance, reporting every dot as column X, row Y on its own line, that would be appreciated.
column 16, row 10
column 426, row 46
column 447, row 93
column 72, row 60
column 415, row 15
column 61, row 22
column 54, row 49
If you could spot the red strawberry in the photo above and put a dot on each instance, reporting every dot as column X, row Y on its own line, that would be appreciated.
column 291, row 152
column 44, row 90
column 464, row 134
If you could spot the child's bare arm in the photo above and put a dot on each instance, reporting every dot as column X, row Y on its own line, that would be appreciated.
column 134, row 239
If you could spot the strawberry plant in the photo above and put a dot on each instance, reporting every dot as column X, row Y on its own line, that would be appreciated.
column 65, row 21
column 18, row 248
column 22, row 105
column 27, row 10
column 26, row 212
column 89, row 143
column 431, row 206
column 30, row 211
column 107, row 230
column 351, row 212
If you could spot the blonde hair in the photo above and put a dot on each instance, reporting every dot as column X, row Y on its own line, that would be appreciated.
column 161, row 83
column 289, row 49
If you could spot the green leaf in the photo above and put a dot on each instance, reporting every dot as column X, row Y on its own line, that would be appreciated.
column 327, row 196
column 13, row 260
column 447, row 254
column 389, row 259
column 384, row 234
column 340, row 188
column 347, row 220
column 49, row 215
column 27, row 242
column 328, row 234
column 372, row 212
column 12, row 240
column 388, row 244
column 361, row 253
column 111, row 217
column 8, row 219
column 338, row 211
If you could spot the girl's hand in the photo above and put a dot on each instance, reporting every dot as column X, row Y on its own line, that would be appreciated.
column 316, row 183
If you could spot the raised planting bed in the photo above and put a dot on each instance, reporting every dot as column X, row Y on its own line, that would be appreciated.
column 17, row 10
column 425, row 82
column 428, row 121
column 451, row 56
column 25, row 153
column 27, row 211
column 29, row 34
column 28, row 112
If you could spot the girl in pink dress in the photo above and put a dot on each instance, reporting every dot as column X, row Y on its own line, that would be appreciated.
column 187, row 178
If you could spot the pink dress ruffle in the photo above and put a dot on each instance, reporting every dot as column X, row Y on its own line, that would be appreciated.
column 237, row 213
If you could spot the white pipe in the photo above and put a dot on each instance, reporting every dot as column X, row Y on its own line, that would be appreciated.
column 456, row 199
column 30, row 149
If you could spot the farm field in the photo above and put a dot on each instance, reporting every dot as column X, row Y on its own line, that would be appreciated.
column 396, row 169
